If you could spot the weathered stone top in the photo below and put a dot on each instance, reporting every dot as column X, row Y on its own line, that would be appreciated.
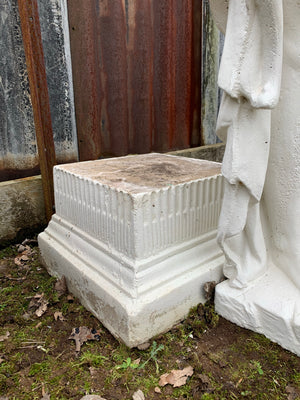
column 144, row 172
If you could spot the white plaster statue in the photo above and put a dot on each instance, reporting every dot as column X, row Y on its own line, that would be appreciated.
column 259, row 228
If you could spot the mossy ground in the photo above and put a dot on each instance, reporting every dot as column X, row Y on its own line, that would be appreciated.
column 229, row 362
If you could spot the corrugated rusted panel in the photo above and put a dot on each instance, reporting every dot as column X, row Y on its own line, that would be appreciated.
column 99, row 59
column 86, row 76
column 164, row 74
column 112, row 31
column 34, row 55
column 140, row 47
column 197, row 73
column 183, row 83
column 133, row 75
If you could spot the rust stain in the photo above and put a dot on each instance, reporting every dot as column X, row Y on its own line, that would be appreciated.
column 141, row 81
column 112, row 42
column 196, row 127
column 164, row 75
column 85, row 76
column 134, row 75
column 32, row 40
column 183, row 61
column 8, row 174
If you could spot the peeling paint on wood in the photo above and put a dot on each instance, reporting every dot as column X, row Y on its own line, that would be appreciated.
column 18, row 149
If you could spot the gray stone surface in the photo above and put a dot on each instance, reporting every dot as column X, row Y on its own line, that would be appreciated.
column 17, row 133
column 212, row 44
column 214, row 152
column 55, row 37
column 18, row 150
column 22, row 208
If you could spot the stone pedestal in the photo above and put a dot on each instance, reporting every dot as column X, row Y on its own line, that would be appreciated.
column 135, row 238
column 269, row 305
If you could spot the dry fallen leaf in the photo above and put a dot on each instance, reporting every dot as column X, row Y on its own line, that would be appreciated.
column 29, row 241
column 25, row 253
column 177, row 377
column 83, row 334
column 204, row 378
column 46, row 397
column 58, row 316
column 293, row 393
column 42, row 309
column 18, row 261
column 4, row 337
column 138, row 395
column 61, row 286
column 44, row 394
column 209, row 289
column 70, row 298
column 21, row 248
column 38, row 304
column 157, row 389
column 143, row 346
column 93, row 371
column 92, row 397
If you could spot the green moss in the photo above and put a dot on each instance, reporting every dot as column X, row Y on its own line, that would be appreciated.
column 41, row 368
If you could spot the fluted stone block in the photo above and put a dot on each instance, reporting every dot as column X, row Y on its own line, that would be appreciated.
column 135, row 238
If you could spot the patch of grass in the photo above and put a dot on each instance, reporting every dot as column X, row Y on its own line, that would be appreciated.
column 296, row 378
column 201, row 318
column 41, row 368
column 7, row 252
column 147, row 382
column 65, row 376
column 128, row 363
column 154, row 350
column 183, row 392
column 91, row 359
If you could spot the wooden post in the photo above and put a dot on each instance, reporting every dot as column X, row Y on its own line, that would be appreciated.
column 32, row 40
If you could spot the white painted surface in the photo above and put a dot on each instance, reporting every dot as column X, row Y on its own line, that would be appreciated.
column 260, row 218
column 268, row 305
column 136, row 239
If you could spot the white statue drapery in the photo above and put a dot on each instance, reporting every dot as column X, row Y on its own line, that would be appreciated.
column 259, row 228
column 260, row 131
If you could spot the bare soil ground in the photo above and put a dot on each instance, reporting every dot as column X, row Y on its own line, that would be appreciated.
column 38, row 360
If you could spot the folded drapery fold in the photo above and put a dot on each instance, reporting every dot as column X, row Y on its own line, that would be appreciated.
column 250, row 76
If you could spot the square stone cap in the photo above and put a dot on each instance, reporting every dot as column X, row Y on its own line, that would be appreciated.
column 144, row 172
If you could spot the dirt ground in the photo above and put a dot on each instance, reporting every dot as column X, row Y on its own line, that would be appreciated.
column 38, row 359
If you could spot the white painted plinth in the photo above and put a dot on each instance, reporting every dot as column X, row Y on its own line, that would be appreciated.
column 135, row 238
column 269, row 305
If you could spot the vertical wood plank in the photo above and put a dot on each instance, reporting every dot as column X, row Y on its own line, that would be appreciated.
column 31, row 33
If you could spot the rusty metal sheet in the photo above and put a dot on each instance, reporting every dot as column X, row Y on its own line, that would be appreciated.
column 134, row 80
column 32, row 39
column 197, row 73
column 140, row 78
column 86, row 76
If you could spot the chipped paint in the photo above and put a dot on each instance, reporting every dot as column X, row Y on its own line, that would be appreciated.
column 18, row 148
